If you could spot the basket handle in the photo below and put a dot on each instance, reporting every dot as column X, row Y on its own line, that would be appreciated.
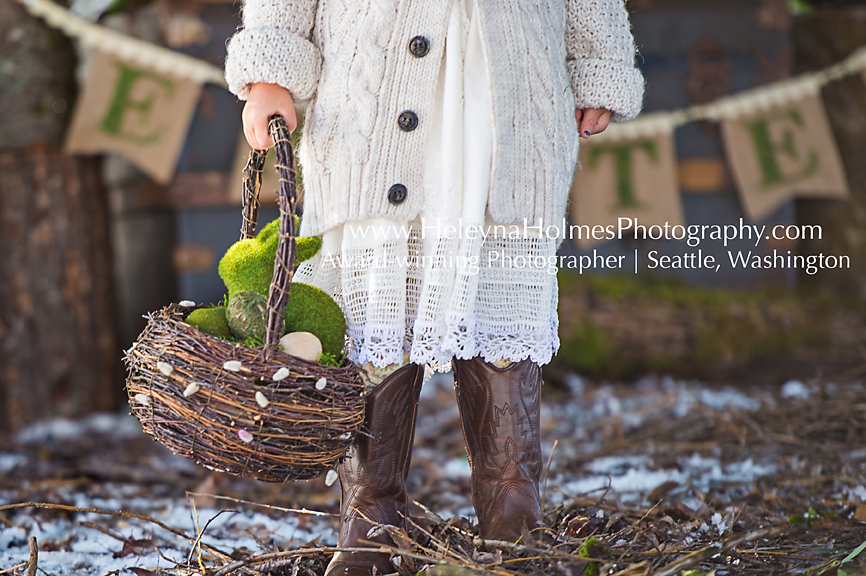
column 287, row 250
column 252, row 185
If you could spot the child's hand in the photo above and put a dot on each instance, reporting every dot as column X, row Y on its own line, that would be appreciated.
column 592, row 120
column 264, row 101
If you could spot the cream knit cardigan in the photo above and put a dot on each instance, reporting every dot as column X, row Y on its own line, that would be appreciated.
column 352, row 59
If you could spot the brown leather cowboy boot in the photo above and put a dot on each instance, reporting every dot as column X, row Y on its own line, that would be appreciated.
column 500, row 411
column 373, row 474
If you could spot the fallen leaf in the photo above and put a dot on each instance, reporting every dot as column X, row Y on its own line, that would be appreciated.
column 142, row 571
column 133, row 547
column 662, row 490
column 679, row 512
column 579, row 527
column 860, row 513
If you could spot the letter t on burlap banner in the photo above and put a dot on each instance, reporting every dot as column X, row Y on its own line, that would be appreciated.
column 127, row 109
column 621, row 178
column 783, row 152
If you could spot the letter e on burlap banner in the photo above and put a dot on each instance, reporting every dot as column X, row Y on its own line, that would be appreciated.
column 130, row 110
column 626, row 179
column 783, row 152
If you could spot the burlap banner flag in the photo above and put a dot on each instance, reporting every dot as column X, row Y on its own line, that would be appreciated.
column 783, row 152
column 130, row 110
column 626, row 179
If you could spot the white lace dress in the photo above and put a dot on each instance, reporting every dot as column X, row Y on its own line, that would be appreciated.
column 450, row 283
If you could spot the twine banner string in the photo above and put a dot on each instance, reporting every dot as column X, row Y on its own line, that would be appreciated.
column 167, row 61
column 123, row 46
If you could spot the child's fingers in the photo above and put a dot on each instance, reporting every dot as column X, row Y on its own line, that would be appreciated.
column 578, row 114
column 252, row 139
column 290, row 117
column 264, row 101
column 257, row 135
column 263, row 137
column 593, row 121
column 256, row 128
column 603, row 122
column 588, row 122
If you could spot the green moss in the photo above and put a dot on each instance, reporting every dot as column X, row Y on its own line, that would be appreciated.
column 312, row 310
column 247, row 268
column 211, row 321
column 249, row 264
column 722, row 328
column 331, row 360
column 308, row 310
column 588, row 348
column 253, row 342
column 247, row 315
column 593, row 548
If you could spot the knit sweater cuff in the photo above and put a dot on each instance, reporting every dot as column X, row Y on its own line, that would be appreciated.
column 599, row 83
column 273, row 56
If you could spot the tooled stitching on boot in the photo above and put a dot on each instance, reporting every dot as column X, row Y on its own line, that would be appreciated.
column 484, row 447
column 497, row 505
column 520, row 454
column 387, row 480
column 526, row 390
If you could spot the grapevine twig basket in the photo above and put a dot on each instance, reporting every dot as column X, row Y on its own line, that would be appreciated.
column 254, row 412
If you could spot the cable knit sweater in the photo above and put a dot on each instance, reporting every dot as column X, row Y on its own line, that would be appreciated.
column 370, row 67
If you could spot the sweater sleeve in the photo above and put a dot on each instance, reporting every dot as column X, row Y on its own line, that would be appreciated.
column 600, row 58
column 274, row 47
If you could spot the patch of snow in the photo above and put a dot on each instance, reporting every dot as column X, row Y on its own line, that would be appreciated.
column 457, row 467
column 12, row 536
column 746, row 471
column 631, row 477
column 65, row 429
column 629, row 485
column 719, row 523
column 8, row 462
column 92, row 552
column 857, row 492
column 727, row 399
column 615, row 464
column 795, row 389
column 575, row 384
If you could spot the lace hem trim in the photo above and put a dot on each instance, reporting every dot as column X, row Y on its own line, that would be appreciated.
column 464, row 338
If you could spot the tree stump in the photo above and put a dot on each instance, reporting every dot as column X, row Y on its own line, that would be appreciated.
column 821, row 39
column 59, row 352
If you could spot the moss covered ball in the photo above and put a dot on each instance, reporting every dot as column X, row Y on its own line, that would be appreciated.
column 312, row 310
column 211, row 321
column 249, row 264
column 247, row 314
column 247, row 269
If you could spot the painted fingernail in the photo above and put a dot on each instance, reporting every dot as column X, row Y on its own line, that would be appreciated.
column 587, row 133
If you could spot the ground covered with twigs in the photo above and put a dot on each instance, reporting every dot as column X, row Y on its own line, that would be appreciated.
column 651, row 477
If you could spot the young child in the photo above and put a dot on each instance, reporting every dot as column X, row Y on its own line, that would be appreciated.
column 439, row 135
